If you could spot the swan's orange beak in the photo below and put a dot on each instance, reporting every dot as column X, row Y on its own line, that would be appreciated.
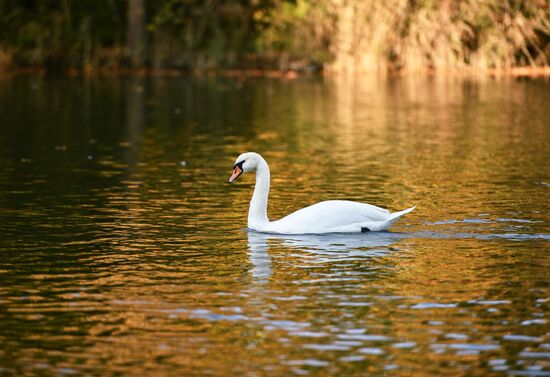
column 237, row 171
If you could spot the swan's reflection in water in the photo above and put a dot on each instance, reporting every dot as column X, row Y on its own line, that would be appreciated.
column 259, row 256
column 324, row 247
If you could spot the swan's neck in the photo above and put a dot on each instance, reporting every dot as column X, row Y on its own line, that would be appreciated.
column 257, row 214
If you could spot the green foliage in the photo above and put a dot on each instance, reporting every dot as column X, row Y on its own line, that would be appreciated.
column 280, row 33
column 207, row 33
column 59, row 32
column 301, row 30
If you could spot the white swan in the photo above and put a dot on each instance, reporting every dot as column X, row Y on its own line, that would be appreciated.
column 331, row 216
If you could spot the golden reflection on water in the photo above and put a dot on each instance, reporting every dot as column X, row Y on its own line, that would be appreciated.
column 124, row 249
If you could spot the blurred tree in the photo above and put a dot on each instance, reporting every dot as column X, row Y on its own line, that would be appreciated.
column 135, row 36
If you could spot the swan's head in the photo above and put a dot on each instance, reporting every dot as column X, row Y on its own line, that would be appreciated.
column 246, row 162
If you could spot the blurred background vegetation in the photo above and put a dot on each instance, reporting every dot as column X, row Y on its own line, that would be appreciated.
column 298, row 35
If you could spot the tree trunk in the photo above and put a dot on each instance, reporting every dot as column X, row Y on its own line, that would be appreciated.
column 135, row 37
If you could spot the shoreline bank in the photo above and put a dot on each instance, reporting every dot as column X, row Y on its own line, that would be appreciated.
column 528, row 72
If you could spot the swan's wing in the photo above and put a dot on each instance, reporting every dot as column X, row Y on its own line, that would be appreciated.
column 329, row 216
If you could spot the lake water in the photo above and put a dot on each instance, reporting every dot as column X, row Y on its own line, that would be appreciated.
column 123, row 250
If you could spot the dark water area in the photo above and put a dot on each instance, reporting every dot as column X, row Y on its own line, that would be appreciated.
column 123, row 251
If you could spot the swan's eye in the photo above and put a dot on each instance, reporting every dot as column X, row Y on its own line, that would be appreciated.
column 239, row 164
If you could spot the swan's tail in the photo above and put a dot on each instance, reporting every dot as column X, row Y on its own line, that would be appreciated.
column 396, row 215
column 383, row 225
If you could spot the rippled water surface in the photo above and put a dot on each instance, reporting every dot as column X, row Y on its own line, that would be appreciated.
column 123, row 251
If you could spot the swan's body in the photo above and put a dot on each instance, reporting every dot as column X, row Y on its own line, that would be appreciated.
column 331, row 216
